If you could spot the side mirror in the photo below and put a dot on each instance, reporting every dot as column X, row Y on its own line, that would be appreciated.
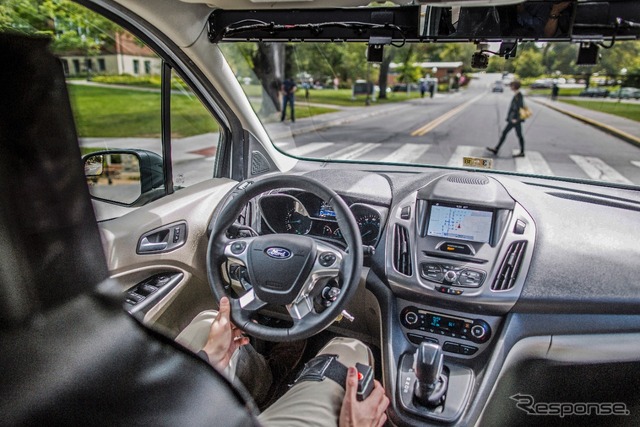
column 124, row 177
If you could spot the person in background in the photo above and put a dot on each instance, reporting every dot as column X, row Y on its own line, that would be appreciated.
column 554, row 91
column 513, row 120
column 288, row 89
column 423, row 88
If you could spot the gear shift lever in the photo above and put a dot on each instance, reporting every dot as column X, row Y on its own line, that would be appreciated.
column 431, row 384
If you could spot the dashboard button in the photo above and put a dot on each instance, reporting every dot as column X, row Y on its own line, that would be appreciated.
column 411, row 318
column 467, row 350
column 238, row 247
column 451, row 347
column 417, row 339
column 327, row 259
column 519, row 227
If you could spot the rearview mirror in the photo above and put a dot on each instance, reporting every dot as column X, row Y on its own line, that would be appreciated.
column 124, row 177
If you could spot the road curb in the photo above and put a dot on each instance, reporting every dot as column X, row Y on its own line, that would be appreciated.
column 605, row 128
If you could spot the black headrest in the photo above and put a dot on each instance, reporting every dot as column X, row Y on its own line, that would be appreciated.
column 50, row 248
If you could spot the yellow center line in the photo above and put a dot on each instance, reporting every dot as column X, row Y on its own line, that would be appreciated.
column 429, row 126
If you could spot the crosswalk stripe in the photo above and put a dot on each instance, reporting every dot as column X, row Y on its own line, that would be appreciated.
column 598, row 170
column 532, row 163
column 465, row 151
column 308, row 148
column 408, row 153
column 354, row 151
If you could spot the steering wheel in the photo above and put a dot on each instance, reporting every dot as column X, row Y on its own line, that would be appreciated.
column 283, row 269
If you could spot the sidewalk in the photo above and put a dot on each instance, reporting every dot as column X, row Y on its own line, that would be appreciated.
column 620, row 127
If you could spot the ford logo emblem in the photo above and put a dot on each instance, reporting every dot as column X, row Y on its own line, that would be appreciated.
column 278, row 253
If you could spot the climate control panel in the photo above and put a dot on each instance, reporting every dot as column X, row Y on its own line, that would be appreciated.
column 474, row 330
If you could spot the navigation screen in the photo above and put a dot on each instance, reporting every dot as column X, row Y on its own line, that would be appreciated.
column 460, row 223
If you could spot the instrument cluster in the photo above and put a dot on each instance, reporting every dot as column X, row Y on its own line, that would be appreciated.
column 307, row 214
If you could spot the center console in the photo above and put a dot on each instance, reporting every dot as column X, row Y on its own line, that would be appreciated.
column 461, row 247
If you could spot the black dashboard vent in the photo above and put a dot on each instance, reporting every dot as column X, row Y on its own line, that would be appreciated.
column 401, row 251
column 468, row 179
column 510, row 266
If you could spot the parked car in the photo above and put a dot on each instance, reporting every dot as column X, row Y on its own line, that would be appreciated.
column 625, row 93
column 541, row 84
column 405, row 87
column 594, row 92
column 465, row 287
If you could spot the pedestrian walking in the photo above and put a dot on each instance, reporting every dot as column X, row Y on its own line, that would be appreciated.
column 288, row 89
column 514, row 121
column 423, row 88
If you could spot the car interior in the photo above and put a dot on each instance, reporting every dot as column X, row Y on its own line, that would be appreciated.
column 486, row 297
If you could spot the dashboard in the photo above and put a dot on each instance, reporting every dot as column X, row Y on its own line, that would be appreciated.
column 298, row 212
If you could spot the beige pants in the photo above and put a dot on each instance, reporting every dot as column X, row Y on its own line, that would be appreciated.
column 308, row 403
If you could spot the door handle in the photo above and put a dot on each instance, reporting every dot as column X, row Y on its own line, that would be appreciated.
column 164, row 239
column 147, row 246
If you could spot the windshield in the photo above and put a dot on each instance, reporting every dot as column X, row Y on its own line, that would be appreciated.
column 424, row 104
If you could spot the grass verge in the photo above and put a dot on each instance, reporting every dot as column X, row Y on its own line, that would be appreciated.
column 118, row 113
column 626, row 110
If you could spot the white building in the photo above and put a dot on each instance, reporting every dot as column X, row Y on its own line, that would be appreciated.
column 124, row 56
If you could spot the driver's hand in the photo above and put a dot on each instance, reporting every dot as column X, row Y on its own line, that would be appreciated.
column 369, row 412
column 224, row 338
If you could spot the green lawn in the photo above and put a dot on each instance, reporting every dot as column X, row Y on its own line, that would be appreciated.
column 630, row 111
column 343, row 97
column 340, row 97
column 106, row 112
column 574, row 91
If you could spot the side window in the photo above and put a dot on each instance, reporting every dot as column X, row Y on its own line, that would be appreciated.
column 195, row 136
column 115, row 86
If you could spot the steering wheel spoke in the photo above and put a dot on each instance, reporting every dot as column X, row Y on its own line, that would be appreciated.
column 250, row 302
column 300, row 308
column 237, row 250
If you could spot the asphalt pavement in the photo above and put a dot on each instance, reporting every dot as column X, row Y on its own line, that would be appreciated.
column 620, row 127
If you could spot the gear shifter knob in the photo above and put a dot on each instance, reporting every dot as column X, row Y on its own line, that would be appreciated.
column 431, row 384
column 428, row 363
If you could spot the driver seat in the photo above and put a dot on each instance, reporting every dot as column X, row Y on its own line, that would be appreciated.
column 70, row 353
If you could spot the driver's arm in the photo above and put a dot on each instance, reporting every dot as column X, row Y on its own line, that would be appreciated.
column 224, row 338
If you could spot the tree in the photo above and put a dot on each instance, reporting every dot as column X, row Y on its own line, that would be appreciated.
column 383, row 76
column 75, row 28
column 529, row 63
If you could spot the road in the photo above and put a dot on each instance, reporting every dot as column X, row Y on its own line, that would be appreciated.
column 442, row 130
column 429, row 131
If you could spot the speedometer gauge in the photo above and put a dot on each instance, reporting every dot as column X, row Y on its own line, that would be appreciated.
column 369, row 226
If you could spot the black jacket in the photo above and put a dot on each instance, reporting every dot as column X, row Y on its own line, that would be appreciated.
column 517, row 102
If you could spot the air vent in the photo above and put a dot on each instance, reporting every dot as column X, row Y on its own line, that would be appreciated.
column 468, row 179
column 401, row 251
column 510, row 266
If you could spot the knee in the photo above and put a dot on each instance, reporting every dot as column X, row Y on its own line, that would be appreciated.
column 194, row 336
column 349, row 351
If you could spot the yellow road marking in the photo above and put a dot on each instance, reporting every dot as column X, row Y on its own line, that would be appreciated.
column 429, row 126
